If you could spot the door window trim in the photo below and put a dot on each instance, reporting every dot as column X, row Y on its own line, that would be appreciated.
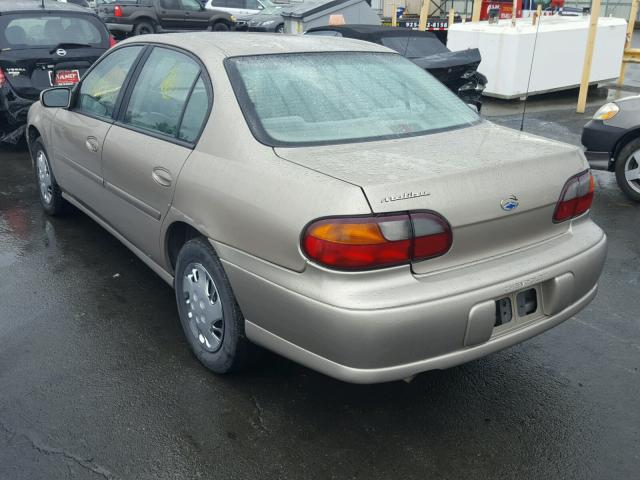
column 123, row 103
column 76, row 89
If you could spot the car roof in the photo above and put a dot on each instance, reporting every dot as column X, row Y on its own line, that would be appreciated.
column 371, row 32
column 14, row 6
column 233, row 44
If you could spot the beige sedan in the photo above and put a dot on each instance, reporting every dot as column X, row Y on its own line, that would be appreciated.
column 321, row 197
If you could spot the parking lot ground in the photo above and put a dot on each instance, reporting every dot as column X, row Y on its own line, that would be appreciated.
column 97, row 381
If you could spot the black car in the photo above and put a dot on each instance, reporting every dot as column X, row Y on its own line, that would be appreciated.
column 456, row 70
column 612, row 142
column 42, row 43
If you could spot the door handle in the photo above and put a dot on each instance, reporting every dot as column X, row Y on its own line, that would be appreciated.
column 162, row 176
column 92, row 144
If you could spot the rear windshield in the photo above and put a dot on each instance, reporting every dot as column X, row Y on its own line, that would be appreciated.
column 341, row 97
column 414, row 46
column 37, row 30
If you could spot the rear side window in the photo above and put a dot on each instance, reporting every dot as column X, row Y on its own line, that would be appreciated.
column 195, row 113
column 38, row 30
column 161, row 94
column 100, row 88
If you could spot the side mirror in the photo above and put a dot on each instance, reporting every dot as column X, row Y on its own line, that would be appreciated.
column 57, row 97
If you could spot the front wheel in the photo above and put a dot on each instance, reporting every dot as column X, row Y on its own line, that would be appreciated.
column 210, row 316
column 220, row 27
column 628, row 170
column 280, row 28
column 50, row 192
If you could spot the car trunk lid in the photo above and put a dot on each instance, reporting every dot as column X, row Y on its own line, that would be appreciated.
column 468, row 175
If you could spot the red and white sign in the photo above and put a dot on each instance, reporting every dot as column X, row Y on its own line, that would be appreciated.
column 64, row 77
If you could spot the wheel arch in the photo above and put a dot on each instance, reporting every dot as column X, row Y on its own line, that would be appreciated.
column 177, row 234
column 621, row 143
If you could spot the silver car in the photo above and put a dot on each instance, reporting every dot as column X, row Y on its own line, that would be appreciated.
column 323, row 198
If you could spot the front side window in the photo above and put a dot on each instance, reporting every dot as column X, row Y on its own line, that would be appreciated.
column 338, row 97
column 161, row 91
column 99, row 90
column 38, row 30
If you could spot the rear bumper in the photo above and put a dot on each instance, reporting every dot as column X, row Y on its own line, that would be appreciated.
column 120, row 27
column 13, row 117
column 365, row 328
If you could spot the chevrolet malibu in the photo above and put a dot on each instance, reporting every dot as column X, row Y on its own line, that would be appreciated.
column 323, row 198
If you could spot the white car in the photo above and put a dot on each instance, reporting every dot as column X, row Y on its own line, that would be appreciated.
column 238, row 7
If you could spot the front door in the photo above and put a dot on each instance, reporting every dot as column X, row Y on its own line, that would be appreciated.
column 79, row 133
column 147, row 147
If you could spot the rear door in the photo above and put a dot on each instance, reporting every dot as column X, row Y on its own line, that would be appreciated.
column 79, row 133
column 195, row 16
column 146, row 148
column 40, row 50
column 171, row 14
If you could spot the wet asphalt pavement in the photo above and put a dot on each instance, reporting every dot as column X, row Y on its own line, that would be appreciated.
column 97, row 381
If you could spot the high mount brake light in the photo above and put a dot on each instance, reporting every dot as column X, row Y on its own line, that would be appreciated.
column 576, row 197
column 363, row 243
column 117, row 11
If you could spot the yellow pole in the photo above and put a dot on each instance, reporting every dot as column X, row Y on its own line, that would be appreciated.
column 394, row 15
column 452, row 17
column 627, row 43
column 424, row 15
column 588, row 56
column 477, row 7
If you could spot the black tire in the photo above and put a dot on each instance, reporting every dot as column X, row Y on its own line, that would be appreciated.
column 49, row 191
column 280, row 28
column 143, row 28
column 625, row 161
column 220, row 27
column 234, row 350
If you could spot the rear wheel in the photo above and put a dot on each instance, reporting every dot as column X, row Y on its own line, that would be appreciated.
column 220, row 27
column 210, row 316
column 49, row 190
column 280, row 28
column 143, row 28
column 628, row 170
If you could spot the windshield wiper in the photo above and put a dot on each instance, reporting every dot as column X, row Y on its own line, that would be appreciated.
column 70, row 45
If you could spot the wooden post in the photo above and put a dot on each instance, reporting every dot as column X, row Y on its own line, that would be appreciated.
column 588, row 56
column 394, row 15
column 424, row 15
column 514, row 13
column 452, row 17
column 536, row 16
column 477, row 7
column 627, row 43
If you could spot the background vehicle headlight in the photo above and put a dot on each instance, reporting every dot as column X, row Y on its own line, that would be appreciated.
column 606, row 112
column 267, row 23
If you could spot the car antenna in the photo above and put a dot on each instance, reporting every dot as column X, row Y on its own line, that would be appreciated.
column 526, row 93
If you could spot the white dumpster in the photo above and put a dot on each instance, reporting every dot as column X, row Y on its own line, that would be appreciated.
column 557, row 64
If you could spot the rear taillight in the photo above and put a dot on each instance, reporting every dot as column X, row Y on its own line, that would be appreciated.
column 112, row 41
column 361, row 243
column 117, row 11
column 576, row 197
column 3, row 79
